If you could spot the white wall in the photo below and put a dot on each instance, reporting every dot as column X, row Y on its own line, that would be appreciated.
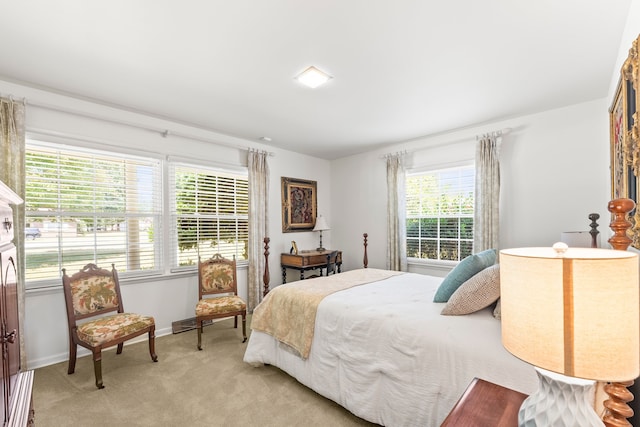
column 630, row 33
column 170, row 297
column 554, row 173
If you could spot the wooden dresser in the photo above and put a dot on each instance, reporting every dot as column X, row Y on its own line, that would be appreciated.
column 16, row 385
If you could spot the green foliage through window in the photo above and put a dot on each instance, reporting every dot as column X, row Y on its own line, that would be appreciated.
column 211, row 214
column 93, row 206
column 439, row 214
column 89, row 206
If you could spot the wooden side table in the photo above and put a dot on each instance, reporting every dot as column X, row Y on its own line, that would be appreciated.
column 307, row 260
column 485, row 404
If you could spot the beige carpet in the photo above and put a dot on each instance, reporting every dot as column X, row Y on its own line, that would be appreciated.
column 187, row 387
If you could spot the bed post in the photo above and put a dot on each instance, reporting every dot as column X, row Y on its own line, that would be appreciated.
column 616, row 406
column 620, row 208
column 265, row 276
column 594, row 229
column 365, row 260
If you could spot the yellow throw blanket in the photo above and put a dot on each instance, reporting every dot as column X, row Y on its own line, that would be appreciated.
column 288, row 313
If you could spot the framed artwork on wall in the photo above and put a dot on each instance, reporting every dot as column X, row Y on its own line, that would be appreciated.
column 618, row 127
column 299, row 204
column 624, row 140
column 632, row 150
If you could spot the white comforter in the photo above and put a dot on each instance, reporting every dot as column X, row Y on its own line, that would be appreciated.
column 384, row 352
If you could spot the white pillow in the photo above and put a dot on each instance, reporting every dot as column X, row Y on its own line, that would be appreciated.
column 479, row 292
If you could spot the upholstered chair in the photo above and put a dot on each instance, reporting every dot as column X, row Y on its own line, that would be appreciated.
column 218, row 294
column 96, row 316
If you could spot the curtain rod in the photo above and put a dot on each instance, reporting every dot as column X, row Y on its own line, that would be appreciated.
column 162, row 132
column 495, row 133
column 24, row 100
column 397, row 153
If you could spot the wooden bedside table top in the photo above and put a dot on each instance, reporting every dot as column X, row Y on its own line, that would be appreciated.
column 485, row 404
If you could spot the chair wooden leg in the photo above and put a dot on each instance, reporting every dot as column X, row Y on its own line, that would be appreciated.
column 152, row 344
column 120, row 346
column 72, row 357
column 97, row 368
column 199, row 327
column 244, row 327
column 235, row 322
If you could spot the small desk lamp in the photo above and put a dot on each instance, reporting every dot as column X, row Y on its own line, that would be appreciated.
column 321, row 225
column 573, row 313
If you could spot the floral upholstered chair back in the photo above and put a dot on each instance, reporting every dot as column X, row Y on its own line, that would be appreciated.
column 217, row 276
column 93, row 291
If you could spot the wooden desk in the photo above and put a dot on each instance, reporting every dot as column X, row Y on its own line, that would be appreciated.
column 485, row 404
column 307, row 260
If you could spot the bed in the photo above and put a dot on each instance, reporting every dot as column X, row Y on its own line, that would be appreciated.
column 378, row 344
column 383, row 350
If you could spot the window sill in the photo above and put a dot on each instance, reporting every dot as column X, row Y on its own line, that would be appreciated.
column 43, row 287
column 431, row 266
column 432, row 263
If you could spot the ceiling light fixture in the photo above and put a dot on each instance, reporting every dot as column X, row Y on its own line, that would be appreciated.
column 312, row 77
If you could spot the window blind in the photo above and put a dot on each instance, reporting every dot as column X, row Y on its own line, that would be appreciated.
column 439, row 212
column 90, row 206
column 209, row 214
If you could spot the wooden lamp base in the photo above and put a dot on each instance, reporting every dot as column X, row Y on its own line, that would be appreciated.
column 616, row 408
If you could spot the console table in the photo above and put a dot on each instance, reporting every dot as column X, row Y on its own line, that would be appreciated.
column 307, row 260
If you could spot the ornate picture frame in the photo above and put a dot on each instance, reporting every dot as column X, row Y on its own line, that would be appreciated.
column 624, row 138
column 299, row 204
column 618, row 129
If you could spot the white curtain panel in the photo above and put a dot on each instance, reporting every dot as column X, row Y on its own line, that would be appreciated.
column 12, row 146
column 486, row 220
column 258, row 220
column 396, row 218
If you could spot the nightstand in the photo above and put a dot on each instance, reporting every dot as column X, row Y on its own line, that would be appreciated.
column 485, row 404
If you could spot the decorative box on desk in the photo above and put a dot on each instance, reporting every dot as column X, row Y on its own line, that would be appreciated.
column 307, row 260
column 485, row 404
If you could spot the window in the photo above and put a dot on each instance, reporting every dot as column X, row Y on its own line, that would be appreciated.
column 209, row 214
column 439, row 208
column 93, row 206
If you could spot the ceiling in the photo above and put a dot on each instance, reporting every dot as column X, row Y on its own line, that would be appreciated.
column 401, row 69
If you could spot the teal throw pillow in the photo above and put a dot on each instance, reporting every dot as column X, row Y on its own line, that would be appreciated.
column 465, row 270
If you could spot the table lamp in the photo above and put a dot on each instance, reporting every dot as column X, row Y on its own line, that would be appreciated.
column 573, row 314
column 321, row 225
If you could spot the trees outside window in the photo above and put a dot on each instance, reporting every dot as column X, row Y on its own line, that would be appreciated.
column 210, row 214
column 95, row 206
column 439, row 212
column 90, row 206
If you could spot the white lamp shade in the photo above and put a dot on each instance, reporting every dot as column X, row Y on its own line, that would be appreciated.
column 574, row 313
column 321, row 224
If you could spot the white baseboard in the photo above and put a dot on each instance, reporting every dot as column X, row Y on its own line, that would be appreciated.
column 82, row 352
